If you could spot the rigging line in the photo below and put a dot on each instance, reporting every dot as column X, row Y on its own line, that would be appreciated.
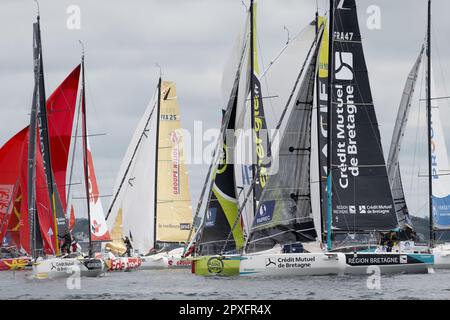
column 272, row 109
column 315, row 41
column 271, row 63
column 132, row 157
column 216, row 154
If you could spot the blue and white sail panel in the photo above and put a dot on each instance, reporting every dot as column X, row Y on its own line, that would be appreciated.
column 440, row 173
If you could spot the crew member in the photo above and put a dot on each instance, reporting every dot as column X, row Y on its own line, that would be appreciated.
column 127, row 243
column 67, row 238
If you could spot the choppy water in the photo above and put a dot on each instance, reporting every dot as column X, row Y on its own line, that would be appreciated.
column 181, row 284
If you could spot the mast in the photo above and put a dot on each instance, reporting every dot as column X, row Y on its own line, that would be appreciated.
column 32, row 152
column 430, row 184
column 329, row 118
column 155, row 187
column 252, row 99
column 55, row 202
column 85, row 151
column 322, row 222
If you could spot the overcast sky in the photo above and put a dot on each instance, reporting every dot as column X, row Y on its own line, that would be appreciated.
column 191, row 40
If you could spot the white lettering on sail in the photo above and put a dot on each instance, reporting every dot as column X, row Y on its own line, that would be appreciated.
column 346, row 146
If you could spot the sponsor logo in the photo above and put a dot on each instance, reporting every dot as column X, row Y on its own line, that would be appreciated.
column 265, row 212
column 270, row 263
column 185, row 226
column 95, row 227
column 5, row 198
column 373, row 259
column 93, row 264
column 291, row 262
column 340, row 5
column 175, row 163
column 211, row 217
column 403, row 259
column 343, row 65
column 215, row 265
column 259, row 124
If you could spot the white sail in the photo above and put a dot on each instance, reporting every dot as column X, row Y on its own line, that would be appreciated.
column 147, row 220
column 134, row 202
column 440, row 176
column 99, row 228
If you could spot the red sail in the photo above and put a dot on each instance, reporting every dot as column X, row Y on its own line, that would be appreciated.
column 60, row 114
column 45, row 215
column 72, row 220
column 13, row 196
column 10, row 155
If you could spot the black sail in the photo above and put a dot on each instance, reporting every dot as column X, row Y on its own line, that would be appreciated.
column 35, row 236
column 222, row 208
column 55, row 200
column 361, row 194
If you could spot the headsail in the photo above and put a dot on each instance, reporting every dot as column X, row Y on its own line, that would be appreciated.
column 132, row 208
column 393, row 166
column 361, row 194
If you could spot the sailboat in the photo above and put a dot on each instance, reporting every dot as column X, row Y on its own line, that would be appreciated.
column 152, row 204
column 438, row 180
column 45, row 124
column 285, row 226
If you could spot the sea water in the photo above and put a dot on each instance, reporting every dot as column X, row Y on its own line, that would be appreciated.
column 181, row 284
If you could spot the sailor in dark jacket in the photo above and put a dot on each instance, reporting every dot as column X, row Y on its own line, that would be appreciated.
column 67, row 242
column 127, row 243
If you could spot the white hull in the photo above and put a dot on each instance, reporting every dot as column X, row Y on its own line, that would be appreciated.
column 66, row 267
column 442, row 257
column 292, row 264
column 165, row 260
column 387, row 262
column 338, row 263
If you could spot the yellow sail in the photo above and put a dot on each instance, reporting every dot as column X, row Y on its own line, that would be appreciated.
column 173, row 206
column 323, row 54
column 117, row 246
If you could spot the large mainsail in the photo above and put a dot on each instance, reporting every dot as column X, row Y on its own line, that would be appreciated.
column 57, row 209
column 393, row 166
column 440, row 174
column 361, row 194
column 173, row 198
column 285, row 214
column 152, row 200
